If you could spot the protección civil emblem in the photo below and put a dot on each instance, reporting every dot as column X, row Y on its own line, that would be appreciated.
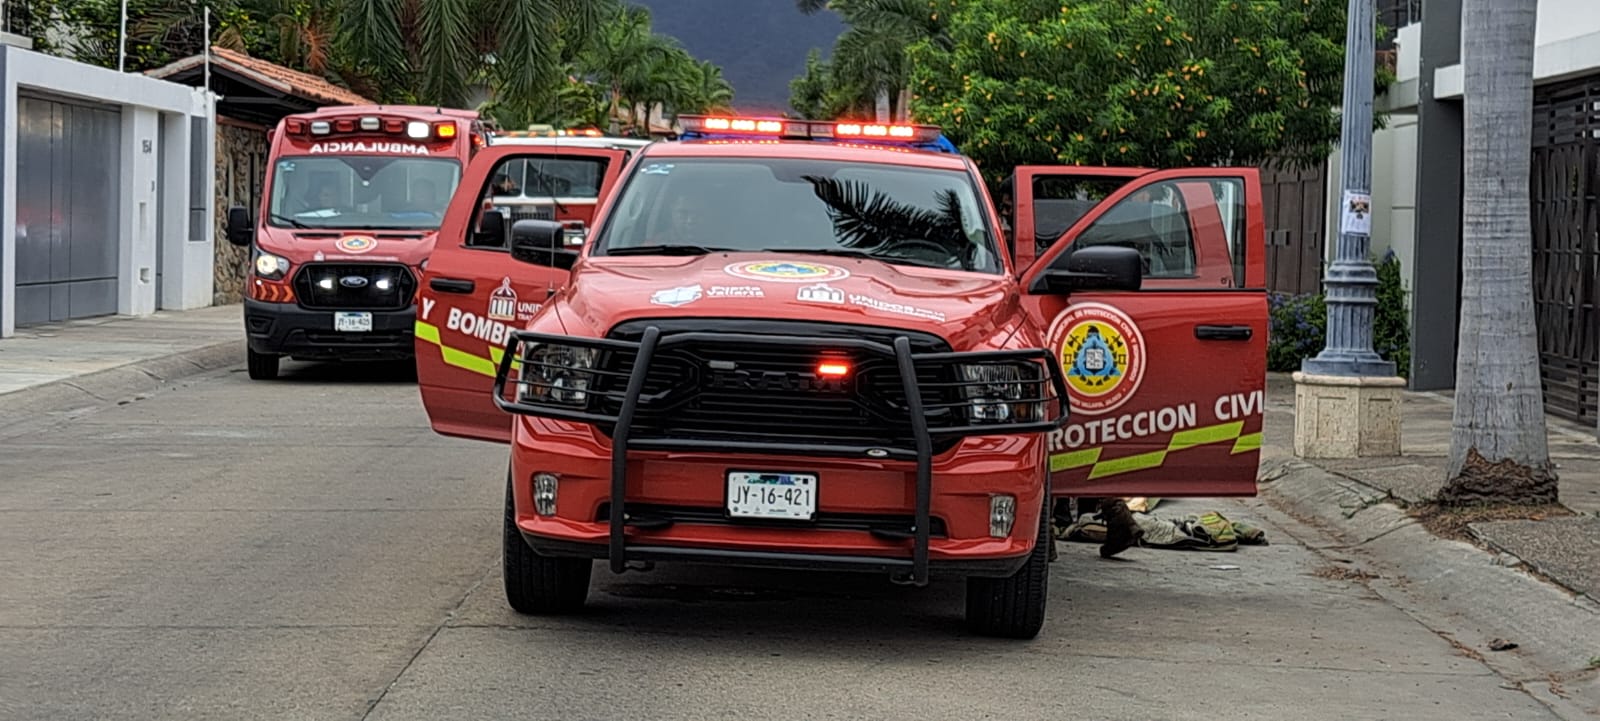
column 1102, row 354
column 357, row 244
column 786, row 271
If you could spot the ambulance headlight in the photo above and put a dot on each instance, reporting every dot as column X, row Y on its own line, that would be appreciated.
column 1008, row 392
column 558, row 374
column 269, row 266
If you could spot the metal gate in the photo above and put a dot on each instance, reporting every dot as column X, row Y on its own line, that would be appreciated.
column 1566, row 252
column 69, row 178
column 1294, row 201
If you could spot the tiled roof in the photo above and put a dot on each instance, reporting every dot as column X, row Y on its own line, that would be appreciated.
column 270, row 74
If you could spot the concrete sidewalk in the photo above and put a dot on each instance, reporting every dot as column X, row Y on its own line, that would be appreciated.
column 1474, row 577
column 1562, row 547
column 115, row 357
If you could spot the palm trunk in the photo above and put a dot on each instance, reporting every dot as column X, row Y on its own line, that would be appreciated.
column 883, row 105
column 1498, row 446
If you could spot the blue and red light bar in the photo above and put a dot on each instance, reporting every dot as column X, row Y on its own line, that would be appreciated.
column 928, row 137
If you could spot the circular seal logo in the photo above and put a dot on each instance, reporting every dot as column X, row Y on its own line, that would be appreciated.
column 357, row 243
column 1102, row 354
column 786, row 271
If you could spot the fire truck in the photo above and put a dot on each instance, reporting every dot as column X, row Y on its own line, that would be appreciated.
column 821, row 345
column 351, row 207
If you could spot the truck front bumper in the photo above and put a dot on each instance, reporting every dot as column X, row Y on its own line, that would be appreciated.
column 627, row 510
column 303, row 334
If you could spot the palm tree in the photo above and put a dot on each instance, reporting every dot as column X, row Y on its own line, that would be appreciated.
column 433, row 50
column 1498, row 445
column 620, row 56
column 869, row 59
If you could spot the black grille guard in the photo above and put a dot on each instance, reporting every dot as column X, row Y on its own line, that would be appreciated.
column 914, row 570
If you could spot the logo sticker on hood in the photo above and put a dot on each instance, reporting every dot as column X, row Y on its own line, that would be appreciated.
column 820, row 293
column 357, row 244
column 786, row 271
column 674, row 297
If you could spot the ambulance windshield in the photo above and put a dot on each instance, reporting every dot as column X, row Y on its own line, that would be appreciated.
column 898, row 214
column 362, row 192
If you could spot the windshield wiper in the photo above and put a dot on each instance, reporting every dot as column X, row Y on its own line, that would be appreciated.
column 666, row 250
column 847, row 253
column 290, row 221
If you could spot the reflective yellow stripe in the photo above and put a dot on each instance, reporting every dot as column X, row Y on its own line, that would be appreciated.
column 1182, row 440
column 1075, row 459
column 457, row 357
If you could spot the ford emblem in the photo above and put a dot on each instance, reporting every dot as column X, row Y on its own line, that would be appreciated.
column 353, row 281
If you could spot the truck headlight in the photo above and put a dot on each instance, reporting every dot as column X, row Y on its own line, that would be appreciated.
column 557, row 374
column 269, row 266
column 1002, row 392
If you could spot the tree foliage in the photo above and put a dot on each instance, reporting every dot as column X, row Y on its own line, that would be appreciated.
column 1159, row 83
column 869, row 61
column 533, row 59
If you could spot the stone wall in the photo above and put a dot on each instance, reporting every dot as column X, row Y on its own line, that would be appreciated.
column 241, row 168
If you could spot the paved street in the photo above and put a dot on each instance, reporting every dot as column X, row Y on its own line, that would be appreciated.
column 310, row 549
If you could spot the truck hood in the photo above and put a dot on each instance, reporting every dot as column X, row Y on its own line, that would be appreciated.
column 965, row 308
column 410, row 247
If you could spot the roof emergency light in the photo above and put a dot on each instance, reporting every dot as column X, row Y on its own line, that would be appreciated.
column 417, row 130
column 807, row 129
column 371, row 123
column 320, row 127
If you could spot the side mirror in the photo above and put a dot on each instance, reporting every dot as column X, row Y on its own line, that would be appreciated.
column 239, row 231
column 1097, row 267
column 491, row 229
column 541, row 242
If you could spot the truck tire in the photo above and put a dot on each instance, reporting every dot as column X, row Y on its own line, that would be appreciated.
column 1013, row 606
column 262, row 366
column 535, row 584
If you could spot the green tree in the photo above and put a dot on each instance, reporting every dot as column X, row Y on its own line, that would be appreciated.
column 436, row 51
column 869, row 66
column 1159, row 83
column 159, row 31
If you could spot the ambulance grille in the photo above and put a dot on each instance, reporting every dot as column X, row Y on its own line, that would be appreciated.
column 770, row 394
column 354, row 286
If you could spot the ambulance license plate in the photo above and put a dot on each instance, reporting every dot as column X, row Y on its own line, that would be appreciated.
column 766, row 494
column 352, row 322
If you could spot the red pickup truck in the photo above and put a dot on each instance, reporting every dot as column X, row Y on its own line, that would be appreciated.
column 787, row 343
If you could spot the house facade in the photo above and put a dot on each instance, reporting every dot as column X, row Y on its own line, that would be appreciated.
column 106, row 201
column 1416, row 193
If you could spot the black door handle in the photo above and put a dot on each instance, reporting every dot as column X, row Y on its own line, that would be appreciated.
column 451, row 285
column 1222, row 332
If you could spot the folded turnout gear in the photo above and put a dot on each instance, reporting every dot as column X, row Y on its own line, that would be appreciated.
column 1210, row 531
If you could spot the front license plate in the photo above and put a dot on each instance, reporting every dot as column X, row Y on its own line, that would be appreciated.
column 763, row 494
column 352, row 322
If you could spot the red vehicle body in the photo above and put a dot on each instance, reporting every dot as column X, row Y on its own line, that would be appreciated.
column 751, row 398
column 349, row 212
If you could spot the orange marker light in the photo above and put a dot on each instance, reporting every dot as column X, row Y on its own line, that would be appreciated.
column 445, row 130
column 833, row 369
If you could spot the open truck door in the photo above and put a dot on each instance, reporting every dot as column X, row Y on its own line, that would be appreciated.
column 474, row 294
column 1167, row 382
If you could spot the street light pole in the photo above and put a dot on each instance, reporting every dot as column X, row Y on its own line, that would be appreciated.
column 1351, row 283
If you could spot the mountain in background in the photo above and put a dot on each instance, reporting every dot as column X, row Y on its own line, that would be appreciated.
column 760, row 44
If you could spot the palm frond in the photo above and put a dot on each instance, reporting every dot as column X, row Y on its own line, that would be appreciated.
column 871, row 221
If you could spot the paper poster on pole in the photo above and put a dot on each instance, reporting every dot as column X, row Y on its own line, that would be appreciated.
column 1357, row 214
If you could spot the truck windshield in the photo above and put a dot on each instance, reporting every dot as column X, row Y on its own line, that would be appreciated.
column 898, row 214
column 361, row 192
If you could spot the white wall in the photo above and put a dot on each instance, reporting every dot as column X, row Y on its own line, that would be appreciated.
column 146, row 103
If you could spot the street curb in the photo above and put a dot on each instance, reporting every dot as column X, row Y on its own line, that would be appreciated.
column 121, row 383
column 1465, row 593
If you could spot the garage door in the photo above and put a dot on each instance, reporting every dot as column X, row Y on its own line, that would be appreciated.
column 69, row 177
